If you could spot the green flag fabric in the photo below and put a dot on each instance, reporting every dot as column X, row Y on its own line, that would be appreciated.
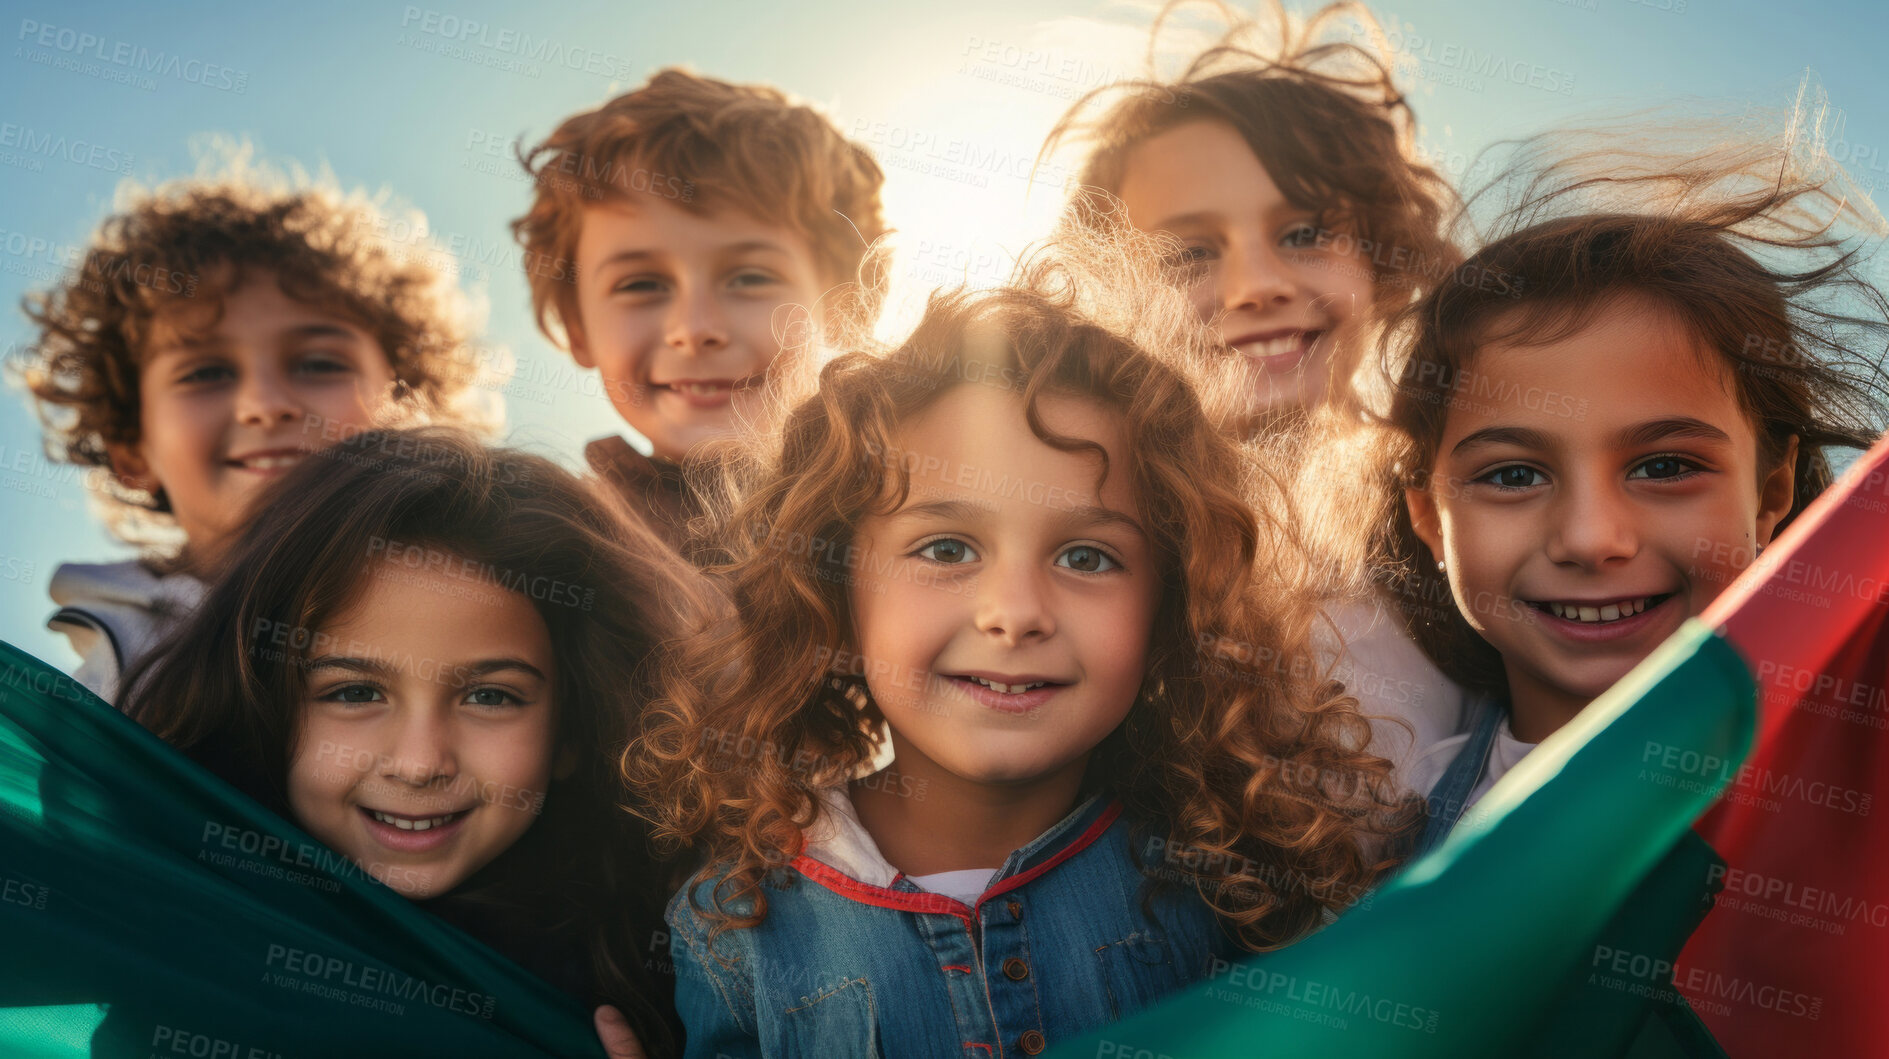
column 1517, row 935
column 147, row 908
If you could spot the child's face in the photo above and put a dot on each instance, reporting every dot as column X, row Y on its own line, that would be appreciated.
column 1275, row 285
column 1004, row 565
column 228, row 403
column 1592, row 493
column 426, row 741
column 681, row 313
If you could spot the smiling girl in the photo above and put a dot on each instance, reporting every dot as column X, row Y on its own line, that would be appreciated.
column 1019, row 544
column 1286, row 175
column 428, row 655
column 1593, row 444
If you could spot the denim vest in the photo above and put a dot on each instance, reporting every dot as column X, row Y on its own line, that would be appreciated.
column 861, row 962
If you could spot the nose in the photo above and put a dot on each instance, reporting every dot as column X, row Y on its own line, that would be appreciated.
column 1255, row 278
column 263, row 399
column 422, row 751
column 1594, row 525
column 696, row 323
column 1013, row 605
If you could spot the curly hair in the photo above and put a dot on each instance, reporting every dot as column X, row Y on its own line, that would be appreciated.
column 1753, row 244
column 702, row 145
column 191, row 243
column 1323, row 116
column 1235, row 747
column 610, row 593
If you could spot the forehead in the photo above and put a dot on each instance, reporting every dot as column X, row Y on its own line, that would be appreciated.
column 1633, row 360
column 974, row 443
column 1197, row 167
column 430, row 614
column 648, row 223
column 230, row 302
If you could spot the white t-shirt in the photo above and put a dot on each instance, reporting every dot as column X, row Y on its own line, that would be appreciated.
column 1394, row 681
column 964, row 886
column 1507, row 752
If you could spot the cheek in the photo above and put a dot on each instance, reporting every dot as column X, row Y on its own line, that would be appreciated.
column 521, row 756
column 322, row 771
column 1346, row 286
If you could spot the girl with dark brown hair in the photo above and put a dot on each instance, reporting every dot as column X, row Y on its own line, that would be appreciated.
column 430, row 655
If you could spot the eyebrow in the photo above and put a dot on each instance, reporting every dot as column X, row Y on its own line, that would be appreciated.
column 1635, row 436
column 742, row 247
column 1682, row 427
column 186, row 344
column 379, row 667
column 1522, row 437
column 966, row 511
column 1183, row 220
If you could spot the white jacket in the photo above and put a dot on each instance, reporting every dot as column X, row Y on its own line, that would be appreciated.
column 114, row 614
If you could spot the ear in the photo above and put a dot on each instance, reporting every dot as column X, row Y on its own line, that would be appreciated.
column 564, row 766
column 128, row 466
column 1776, row 493
column 1425, row 519
column 574, row 337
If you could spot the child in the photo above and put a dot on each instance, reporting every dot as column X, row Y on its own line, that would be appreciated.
column 1600, row 424
column 1018, row 543
column 418, row 649
column 680, row 237
column 217, row 332
column 1292, row 192
column 1291, row 188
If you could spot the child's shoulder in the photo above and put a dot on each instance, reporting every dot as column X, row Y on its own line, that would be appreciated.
column 113, row 613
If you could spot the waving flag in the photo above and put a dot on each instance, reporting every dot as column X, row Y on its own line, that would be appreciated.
column 1516, row 935
column 1795, row 958
column 1563, row 895
column 148, row 908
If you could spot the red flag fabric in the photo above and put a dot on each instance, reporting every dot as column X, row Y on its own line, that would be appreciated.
column 1794, row 958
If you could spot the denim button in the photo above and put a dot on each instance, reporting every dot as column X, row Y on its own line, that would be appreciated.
column 1015, row 969
column 1031, row 1043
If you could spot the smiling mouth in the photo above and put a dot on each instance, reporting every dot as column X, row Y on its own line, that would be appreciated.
column 274, row 461
column 415, row 823
column 1600, row 613
column 1272, row 345
column 708, row 387
column 1007, row 689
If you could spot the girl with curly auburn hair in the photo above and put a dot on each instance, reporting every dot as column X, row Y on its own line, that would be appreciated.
column 1019, row 545
column 1282, row 166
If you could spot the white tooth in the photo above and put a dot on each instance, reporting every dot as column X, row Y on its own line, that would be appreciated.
column 1610, row 612
column 404, row 825
column 1636, row 606
column 1590, row 614
column 1555, row 609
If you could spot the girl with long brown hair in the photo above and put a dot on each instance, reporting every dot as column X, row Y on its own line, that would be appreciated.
column 429, row 654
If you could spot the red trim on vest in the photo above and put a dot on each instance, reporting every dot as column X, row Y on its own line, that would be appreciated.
column 938, row 904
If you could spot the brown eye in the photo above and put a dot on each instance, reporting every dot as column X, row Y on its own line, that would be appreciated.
column 1088, row 560
column 948, row 550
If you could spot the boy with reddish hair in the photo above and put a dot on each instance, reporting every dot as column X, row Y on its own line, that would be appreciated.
column 698, row 227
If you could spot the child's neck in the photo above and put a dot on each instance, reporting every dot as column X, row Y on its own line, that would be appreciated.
column 926, row 820
column 1537, row 709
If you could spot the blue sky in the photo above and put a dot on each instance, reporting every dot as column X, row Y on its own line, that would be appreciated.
column 412, row 97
